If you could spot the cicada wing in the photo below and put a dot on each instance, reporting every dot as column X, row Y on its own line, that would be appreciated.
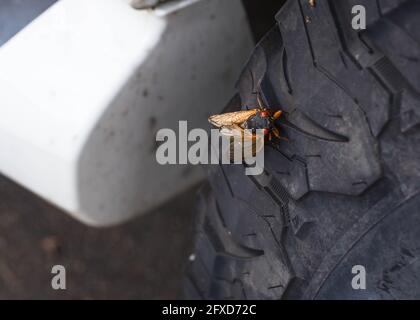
column 243, row 143
column 235, row 149
column 232, row 131
column 254, row 146
column 231, row 118
column 249, row 146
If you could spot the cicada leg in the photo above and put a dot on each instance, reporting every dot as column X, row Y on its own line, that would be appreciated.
column 277, row 114
column 276, row 132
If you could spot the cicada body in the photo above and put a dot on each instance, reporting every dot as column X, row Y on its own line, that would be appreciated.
column 245, row 123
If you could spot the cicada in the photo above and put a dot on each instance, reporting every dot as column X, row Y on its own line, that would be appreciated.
column 234, row 124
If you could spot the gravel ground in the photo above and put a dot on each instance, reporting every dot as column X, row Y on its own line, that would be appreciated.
column 143, row 259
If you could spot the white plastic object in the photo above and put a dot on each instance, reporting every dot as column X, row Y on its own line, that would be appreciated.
column 85, row 87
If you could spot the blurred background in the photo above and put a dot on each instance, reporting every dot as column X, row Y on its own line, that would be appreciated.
column 142, row 259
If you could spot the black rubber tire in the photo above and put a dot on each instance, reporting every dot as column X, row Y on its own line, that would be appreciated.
column 344, row 190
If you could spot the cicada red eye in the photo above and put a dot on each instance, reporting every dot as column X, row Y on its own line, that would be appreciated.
column 264, row 114
column 266, row 131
